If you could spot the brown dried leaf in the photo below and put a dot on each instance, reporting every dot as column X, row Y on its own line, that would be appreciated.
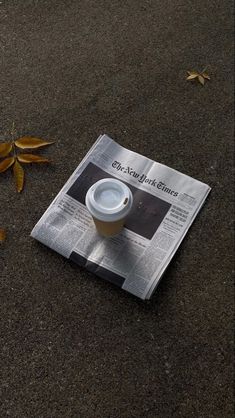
column 195, row 75
column 192, row 73
column 192, row 76
column 19, row 176
column 2, row 235
column 31, row 142
column 5, row 148
column 5, row 164
column 31, row 158
column 201, row 79
column 205, row 75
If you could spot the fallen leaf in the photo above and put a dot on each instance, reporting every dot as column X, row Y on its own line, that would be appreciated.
column 195, row 75
column 31, row 158
column 10, row 152
column 205, row 75
column 201, row 79
column 192, row 75
column 19, row 176
column 5, row 164
column 2, row 235
column 31, row 142
column 5, row 148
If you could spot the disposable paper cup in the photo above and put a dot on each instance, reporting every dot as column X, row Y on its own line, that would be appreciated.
column 109, row 201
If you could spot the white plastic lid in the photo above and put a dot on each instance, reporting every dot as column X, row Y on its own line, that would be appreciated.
column 109, row 200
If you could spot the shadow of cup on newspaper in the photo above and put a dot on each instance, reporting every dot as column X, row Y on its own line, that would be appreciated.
column 109, row 201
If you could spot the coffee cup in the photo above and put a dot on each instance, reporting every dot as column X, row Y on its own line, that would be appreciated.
column 109, row 201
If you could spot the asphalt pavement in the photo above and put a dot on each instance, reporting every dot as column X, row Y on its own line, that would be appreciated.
column 72, row 345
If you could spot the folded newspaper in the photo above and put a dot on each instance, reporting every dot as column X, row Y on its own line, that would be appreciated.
column 165, row 203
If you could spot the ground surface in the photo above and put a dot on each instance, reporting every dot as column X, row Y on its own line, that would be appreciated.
column 71, row 345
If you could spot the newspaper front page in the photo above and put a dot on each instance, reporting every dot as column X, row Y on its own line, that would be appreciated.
column 165, row 203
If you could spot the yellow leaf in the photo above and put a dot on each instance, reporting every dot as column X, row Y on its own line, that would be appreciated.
column 5, row 149
column 192, row 76
column 2, row 235
column 193, row 73
column 19, row 176
column 31, row 158
column 5, row 164
column 205, row 75
column 201, row 79
column 31, row 142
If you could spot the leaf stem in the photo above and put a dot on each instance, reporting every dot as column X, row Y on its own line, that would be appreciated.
column 12, row 140
column 14, row 149
column 204, row 69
